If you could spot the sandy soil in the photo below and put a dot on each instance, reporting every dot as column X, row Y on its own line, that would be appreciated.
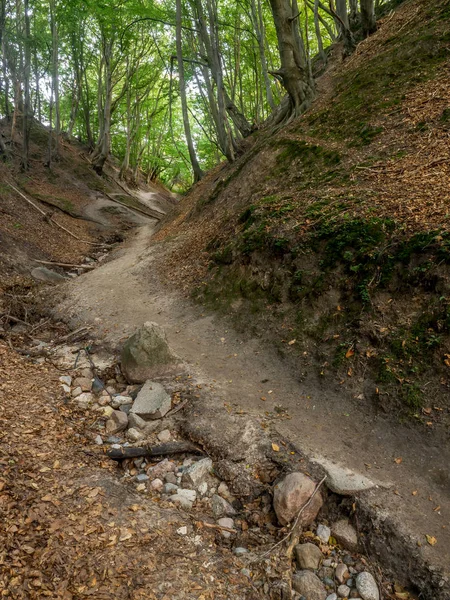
column 125, row 292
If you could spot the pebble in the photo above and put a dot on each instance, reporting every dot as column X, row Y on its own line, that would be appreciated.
column 226, row 522
column 367, row 586
column 350, row 583
column 308, row 556
column 117, row 422
column 99, row 440
column 161, row 469
column 323, row 533
column 328, row 582
column 332, row 596
column 141, row 487
column 67, row 379
column 157, row 485
column 142, row 477
column 85, row 400
column 196, row 473
column 170, row 488
column 291, row 494
column 342, row 573
column 118, row 401
column 182, row 530
column 345, row 535
column 97, row 385
column 134, row 435
column 221, row 507
column 66, row 388
column 170, row 478
column 343, row 591
column 224, row 491
column 246, row 572
column 309, row 585
column 113, row 439
column 202, row 488
column 76, row 392
column 328, row 562
column 239, row 551
column 165, row 436
column 190, row 495
column 85, row 383
column 181, row 501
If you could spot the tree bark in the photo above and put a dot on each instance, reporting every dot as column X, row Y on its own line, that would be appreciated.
column 198, row 173
column 294, row 73
column 26, row 87
column 368, row 19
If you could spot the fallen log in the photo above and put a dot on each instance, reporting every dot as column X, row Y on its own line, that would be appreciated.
column 162, row 450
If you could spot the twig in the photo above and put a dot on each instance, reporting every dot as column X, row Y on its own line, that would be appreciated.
column 297, row 520
column 73, row 333
column 68, row 265
column 214, row 526
column 176, row 409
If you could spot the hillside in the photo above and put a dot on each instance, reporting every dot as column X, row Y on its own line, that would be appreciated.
column 330, row 238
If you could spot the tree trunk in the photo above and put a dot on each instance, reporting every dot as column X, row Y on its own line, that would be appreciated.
column 293, row 74
column 26, row 87
column 368, row 19
column 102, row 149
column 55, row 75
column 258, row 24
column 322, row 54
column 198, row 173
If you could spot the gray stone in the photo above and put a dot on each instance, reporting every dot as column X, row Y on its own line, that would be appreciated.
column 47, row 275
column 196, row 473
column 76, row 392
column 165, row 436
column 367, row 586
column 99, row 440
column 308, row 556
column 97, row 385
column 240, row 551
column 84, row 400
column 157, row 485
column 221, row 507
column 291, row 494
column 147, row 354
column 202, row 488
column 328, row 582
column 117, row 422
column 309, row 585
column 161, row 469
column 113, row 439
column 323, row 533
column 142, row 477
column 171, row 478
column 224, row 491
column 345, row 535
column 342, row 573
column 84, row 383
column 181, row 501
column 191, row 495
column 343, row 591
column 343, row 481
column 136, row 422
column 228, row 523
column 152, row 402
column 67, row 379
column 118, row 401
column 134, row 435
column 332, row 596
column 125, row 408
column 169, row 488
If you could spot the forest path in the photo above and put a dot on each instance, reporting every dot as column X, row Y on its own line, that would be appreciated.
column 122, row 294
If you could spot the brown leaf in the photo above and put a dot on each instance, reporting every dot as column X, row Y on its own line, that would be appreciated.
column 275, row 447
column 431, row 540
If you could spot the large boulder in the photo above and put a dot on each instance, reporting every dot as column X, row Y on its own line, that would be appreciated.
column 147, row 354
column 152, row 402
column 291, row 494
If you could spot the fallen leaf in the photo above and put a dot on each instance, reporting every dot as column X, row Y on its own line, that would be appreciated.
column 431, row 540
column 437, row 508
column 398, row 460
column 414, row 493
column 125, row 534
column 275, row 447
column 291, row 342
column 350, row 352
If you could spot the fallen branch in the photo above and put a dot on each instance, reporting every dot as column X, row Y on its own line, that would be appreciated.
column 176, row 409
column 214, row 526
column 162, row 450
column 66, row 265
column 296, row 523
column 74, row 333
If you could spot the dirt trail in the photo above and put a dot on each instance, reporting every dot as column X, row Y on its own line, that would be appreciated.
column 122, row 294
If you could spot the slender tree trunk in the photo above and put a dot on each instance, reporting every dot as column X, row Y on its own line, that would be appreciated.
column 368, row 19
column 198, row 173
column 322, row 54
column 55, row 74
column 26, row 87
column 258, row 24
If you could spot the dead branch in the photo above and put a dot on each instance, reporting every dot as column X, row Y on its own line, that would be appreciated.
column 162, row 450
column 66, row 265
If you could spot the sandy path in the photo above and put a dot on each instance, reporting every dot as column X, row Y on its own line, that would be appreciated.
column 124, row 293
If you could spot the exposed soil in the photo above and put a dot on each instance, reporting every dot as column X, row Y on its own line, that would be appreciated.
column 124, row 293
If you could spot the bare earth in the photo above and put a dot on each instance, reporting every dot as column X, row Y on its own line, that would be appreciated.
column 125, row 292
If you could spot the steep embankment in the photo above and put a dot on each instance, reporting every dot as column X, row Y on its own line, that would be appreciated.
column 331, row 237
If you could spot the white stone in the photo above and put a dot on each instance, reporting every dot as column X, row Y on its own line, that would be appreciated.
column 202, row 488
column 118, row 401
column 165, row 436
column 190, row 495
column 98, row 440
column 182, row 530
column 66, row 388
column 134, row 435
column 343, row 481
column 152, row 402
column 343, row 591
column 323, row 533
column 67, row 379
column 85, row 399
column 196, row 474
column 157, row 485
column 367, row 586
column 228, row 523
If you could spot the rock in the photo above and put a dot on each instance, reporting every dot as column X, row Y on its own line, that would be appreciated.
column 191, row 495
column 152, row 402
column 134, row 435
column 107, row 410
column 343, row 591
column 342, row 573
column 202, row 488
column 118, row 401
column 67, row 379
column 97, row 385
column 165, row 436
column 103, row 400
column 161, row 469
column 142, row 477
column 309, row 585
column 367, row 586
column 220, row 507
column 76, row 392
column 343, row 481
column 228, row 523
column 323, row 533
column 147, row 354
column 239, row 551
column 291, row 494
column 196, row 473
column 85, row 400
column 170, row 478
column 182, row 530
column 86, row 372
column 117, row 422
column 47, row 275
column 66, row 388
column 224, row 491
column 84, row 383
column 181, row 501
column 308, row 556
column 99, row 440
column 345, row 535
column 332, row 597
column 157, row 485
column 169, row 488
column 246, row 573
column 136, row 422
